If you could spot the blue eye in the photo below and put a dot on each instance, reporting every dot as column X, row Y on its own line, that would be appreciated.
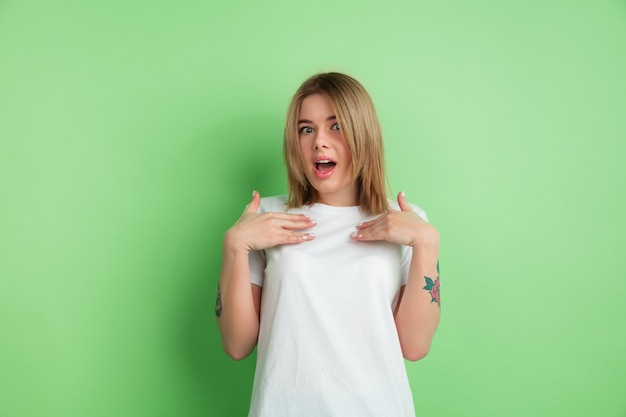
column 305, row 129
column 335, row 126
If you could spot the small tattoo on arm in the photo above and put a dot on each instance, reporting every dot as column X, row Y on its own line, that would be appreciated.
column 218, row 303
column 433, row 287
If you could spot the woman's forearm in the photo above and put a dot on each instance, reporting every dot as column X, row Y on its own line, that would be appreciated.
column 418, row 309
column 237, row 307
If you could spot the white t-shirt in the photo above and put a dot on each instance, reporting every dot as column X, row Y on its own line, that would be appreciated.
column 328, row 345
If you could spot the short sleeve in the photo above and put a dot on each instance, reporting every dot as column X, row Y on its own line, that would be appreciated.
column 256, row 259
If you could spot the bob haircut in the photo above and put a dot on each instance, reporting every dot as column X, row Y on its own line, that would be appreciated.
column 360, row 128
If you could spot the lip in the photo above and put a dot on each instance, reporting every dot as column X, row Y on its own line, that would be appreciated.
column 323, row 158
column 323, row 174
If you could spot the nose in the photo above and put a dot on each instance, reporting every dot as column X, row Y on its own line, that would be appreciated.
column 321, row 141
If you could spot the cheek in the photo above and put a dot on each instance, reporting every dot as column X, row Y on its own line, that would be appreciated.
column 304, row 165
column 347, row 155
column 303, row 151
column 344, row 149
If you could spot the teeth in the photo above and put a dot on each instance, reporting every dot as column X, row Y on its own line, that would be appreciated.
column 323, row 161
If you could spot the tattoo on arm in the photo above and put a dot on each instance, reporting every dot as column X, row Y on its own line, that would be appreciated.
column 218, row 303
column 433, row 287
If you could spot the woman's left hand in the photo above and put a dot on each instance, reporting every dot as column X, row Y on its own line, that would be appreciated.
column 403, row 227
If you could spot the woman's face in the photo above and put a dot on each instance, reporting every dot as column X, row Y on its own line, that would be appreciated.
column 326, row 158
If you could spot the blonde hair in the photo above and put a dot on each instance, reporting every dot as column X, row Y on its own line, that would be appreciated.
column 360, row 128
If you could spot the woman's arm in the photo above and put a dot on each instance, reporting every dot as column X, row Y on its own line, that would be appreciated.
column 238, row 303
column 237, row 309
column 418, row 308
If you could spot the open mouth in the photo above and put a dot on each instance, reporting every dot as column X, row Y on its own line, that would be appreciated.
column 325, row 165
column 324, row 168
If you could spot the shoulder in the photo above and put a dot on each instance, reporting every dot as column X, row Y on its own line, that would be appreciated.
column 395, row 206
column 277, row 203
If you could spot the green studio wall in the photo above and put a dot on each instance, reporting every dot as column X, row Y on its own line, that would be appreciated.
column 132, row 134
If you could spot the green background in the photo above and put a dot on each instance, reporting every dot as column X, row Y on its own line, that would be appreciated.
column 132, row 135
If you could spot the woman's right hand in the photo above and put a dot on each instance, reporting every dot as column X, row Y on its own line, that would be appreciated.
column 257, row 231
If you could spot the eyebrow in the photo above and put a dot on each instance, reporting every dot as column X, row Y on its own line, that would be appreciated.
column 333, row 117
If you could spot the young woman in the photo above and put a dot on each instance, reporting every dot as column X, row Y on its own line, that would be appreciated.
column 334, row 283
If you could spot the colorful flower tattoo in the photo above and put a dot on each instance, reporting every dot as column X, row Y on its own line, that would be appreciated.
column 433, row 287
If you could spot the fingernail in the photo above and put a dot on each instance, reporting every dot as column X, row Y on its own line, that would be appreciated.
column 308, row 236
column 402, row 194
column 253, row 193
column 360, row 224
